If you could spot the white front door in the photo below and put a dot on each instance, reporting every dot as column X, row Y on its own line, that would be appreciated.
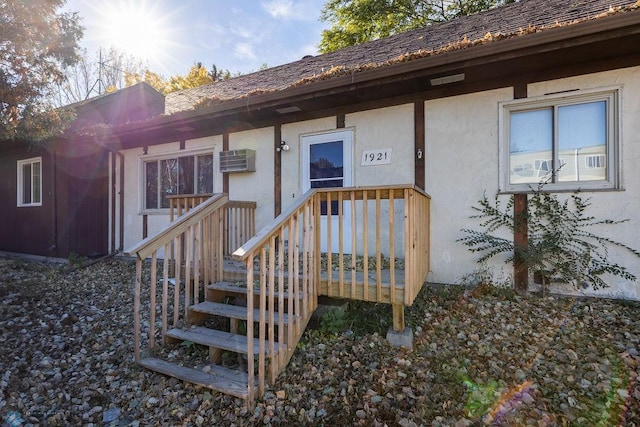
column 327, row 161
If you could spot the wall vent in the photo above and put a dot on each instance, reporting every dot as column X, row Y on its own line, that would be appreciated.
column 238, row 161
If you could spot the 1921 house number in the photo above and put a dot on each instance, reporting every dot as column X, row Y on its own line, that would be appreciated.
column 376, row 157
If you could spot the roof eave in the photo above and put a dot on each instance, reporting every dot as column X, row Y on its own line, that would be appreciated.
column 548, row 40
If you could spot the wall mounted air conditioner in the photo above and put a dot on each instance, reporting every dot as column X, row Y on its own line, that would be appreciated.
column 238, row 161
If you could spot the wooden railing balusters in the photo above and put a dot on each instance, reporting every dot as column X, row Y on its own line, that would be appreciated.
column 165, row 293
column 284, row 264
column 152, row 301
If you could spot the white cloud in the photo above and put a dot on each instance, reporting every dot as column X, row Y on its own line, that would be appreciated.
column 287, row 9
column 279, row 8
column 245, row 51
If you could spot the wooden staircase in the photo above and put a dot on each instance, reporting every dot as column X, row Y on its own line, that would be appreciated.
column 214, row 323
column 257, row 311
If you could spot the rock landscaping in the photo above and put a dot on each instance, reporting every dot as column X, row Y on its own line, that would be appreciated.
column 482, row 356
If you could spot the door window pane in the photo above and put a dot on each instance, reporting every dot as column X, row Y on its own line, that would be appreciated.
column 327, row 183
column 326, row 160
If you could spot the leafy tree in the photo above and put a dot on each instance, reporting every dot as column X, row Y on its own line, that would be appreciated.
column 36, row 43
column 561, row 246
column 155, row 80
column 198, row 75
column 92, row 76
column 357, row 21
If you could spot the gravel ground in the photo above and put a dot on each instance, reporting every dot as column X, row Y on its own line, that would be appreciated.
column 482, row 356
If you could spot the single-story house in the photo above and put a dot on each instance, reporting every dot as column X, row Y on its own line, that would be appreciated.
column 457, row 108
column 379, row 150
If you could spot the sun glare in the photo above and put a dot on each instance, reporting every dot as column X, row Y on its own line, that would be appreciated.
column 135, row 28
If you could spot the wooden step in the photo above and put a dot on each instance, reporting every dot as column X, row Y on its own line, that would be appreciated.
column 233, row 288
column 217, row 339
column 235, row 311
column 219, row 378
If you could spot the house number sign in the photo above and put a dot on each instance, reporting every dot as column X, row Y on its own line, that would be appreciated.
column 376, row 157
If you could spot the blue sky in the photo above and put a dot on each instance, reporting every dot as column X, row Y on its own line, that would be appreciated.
column 171, row 35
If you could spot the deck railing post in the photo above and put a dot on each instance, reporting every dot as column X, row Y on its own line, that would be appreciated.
column 136, row 309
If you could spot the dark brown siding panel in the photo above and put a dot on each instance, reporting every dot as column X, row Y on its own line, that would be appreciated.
column 26, row 230
column 83, row 197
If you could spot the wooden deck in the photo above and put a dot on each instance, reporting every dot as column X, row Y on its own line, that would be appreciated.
column 376, row 287
column 257, row 303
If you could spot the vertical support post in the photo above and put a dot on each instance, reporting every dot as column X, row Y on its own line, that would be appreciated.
column 277, row 171
column 520, row 242
column 136, row 309
column 398, row 317
column 419, row 143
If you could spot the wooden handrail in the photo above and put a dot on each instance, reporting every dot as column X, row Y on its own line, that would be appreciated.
column 172, row 230
column 191, row 250
column 376, row 223
column 180, row 204
column 263, row 235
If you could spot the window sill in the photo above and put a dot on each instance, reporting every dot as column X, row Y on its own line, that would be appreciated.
column 559, row 188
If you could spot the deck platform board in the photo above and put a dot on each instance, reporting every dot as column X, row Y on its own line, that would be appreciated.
column 216, row 338
column 234, row 311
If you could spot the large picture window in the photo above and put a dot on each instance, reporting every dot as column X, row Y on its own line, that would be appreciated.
column 569, row 142
column 168, row 176
column 30, row 182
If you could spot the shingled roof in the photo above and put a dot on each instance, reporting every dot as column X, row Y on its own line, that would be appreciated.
column 520, row 18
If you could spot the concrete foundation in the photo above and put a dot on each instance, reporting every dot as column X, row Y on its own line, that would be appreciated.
column 401, row 339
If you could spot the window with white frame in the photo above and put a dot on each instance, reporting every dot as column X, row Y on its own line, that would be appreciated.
column 568, row 141
column 174, row 175
column 30, row 182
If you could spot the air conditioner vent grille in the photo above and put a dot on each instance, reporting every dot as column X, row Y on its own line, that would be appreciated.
column 238, row 161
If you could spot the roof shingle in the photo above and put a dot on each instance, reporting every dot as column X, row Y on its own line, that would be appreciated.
column 505, row 20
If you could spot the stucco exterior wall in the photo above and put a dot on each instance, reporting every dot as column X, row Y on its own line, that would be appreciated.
column 255, row 186
column 390, row 127
column 133, row 158
column 461, row 159
column 462, row 163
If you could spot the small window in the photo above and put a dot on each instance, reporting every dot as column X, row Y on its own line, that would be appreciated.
column 168, row 176
column 593, row 162
column 30, row 182
column 569, row 142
